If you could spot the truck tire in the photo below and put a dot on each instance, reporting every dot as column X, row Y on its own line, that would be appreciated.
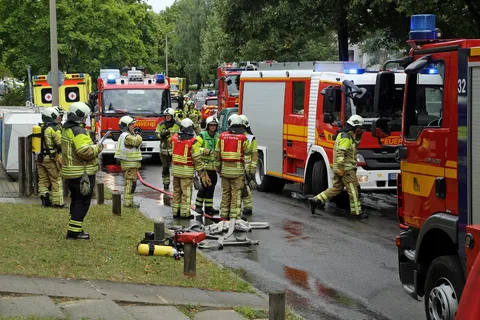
column 264, row 183
column 319, row 177
column 443, row 288
column 108, row 158
column 278, row 185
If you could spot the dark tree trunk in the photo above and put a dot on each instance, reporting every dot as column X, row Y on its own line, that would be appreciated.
column 343, row 40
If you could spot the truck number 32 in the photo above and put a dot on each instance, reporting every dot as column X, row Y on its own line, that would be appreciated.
column 462, row 83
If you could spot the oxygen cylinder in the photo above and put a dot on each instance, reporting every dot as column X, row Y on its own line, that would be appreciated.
column 155, row 250
column 36, row 141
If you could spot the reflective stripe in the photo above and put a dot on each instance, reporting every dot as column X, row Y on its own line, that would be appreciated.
column 356, row 204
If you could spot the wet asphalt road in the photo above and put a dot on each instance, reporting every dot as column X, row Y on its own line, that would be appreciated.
column 332, row 267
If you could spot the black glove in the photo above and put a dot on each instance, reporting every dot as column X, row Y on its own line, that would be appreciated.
column 137, row 130
column 164, row 133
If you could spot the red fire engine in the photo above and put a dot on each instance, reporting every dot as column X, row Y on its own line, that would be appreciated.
column 439, row 185
column 144, row 97
column 228, row 83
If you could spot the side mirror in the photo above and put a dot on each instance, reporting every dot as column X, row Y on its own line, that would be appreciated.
column 330, row 101
column 228, row 81
column 418, row 65
column 384, row 90
column 217, row 86
column 380, row 128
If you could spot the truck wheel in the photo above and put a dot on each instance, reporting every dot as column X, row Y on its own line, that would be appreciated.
column 443, row 288
column 319, row 177
column 278, row 185
column 264, row 183
column 108, row 158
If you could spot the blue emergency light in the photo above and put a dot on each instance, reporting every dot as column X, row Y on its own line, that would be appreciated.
column 422, row 27
column 111, row 78
column 354, row 71
column 81, row 75
column 429, row 71
column 160, row 78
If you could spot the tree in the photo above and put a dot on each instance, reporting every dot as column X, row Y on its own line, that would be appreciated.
column 188, row 31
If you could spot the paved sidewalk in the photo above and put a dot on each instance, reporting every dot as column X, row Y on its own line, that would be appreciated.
column 96, row 299
column 8, row 188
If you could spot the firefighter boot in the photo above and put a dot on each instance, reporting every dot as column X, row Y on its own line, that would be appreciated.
column 199, row 210
column 315, row 203
column 212, row 212
column 46, row 200
column 166, row 186
column 77, row 235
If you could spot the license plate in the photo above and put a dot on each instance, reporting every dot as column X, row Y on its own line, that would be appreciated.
column 392, row 176
column 144, row 145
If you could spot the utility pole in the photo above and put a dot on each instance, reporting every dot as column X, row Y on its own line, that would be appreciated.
column 54, row 53
column 166, row 52
column 30, row 87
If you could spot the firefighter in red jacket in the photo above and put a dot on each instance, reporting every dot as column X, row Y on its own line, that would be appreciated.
column 186, row 158
column 233, row 154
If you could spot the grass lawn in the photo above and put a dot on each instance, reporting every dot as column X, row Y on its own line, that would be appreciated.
column 32, row 243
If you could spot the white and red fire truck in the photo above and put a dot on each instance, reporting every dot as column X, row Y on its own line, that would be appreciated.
column 295, row 115
column 144, row 97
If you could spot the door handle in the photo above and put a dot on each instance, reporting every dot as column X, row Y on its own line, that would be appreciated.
column 289, row 143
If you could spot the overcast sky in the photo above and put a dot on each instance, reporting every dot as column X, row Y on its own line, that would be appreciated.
column 159, row 5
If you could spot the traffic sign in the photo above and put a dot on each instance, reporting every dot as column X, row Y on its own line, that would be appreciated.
column 61, row 78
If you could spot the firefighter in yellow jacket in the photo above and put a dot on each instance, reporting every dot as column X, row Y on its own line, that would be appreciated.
column 50, row 184
column 250, row 173
column 194, row 115
column 233, row 154
column 207, row 140
column 186, row 159
column 79, row 166
column 128, row 152
column 164, row 131
column 344, row 168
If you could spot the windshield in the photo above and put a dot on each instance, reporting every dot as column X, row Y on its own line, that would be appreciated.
column 234, row 86
column 212, row 102
column 136, row 101
column 173, row 87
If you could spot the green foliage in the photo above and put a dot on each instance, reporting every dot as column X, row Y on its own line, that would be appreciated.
column 14, row 97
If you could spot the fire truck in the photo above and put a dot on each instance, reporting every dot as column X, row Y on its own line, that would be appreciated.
column 75, row 88
column 295, row 115
column 144, row 97
column 439, row 185
column 228, row 82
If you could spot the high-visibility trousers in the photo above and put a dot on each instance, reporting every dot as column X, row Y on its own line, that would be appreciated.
column 232, row 197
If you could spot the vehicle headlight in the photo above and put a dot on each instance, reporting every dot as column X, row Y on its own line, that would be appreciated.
column 362, row 179
column 110, row 146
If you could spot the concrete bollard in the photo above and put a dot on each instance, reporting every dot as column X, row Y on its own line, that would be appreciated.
column 116, row 203
column 190, row 259
column 276, row 305
column 21, row 166
column 100, row 193
column 159, row 231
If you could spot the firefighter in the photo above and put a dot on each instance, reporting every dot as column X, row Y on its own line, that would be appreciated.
column 250, row 173
column 49, row 161
column 207, row 141
column 128, row 152
column 186, row 159
column 179, row 114
column 194, row 115
column 79, row 166
column 232, row 154
column 344, row 168
column 164, row 132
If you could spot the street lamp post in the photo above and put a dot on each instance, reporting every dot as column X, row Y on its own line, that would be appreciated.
column 54, row 52
column 166, row 52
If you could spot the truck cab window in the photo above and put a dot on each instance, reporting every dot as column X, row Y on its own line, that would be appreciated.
column 424, row 100
column 298, row 97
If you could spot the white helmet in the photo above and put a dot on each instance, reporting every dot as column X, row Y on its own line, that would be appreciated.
column 49, row 115
column 169, row 112
column 125, row 121
column 244, row 120
column 356, row 121
column 211, row 120
column 78, row 111
column 234, row 119
column 60, row 110
column 186, row 123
